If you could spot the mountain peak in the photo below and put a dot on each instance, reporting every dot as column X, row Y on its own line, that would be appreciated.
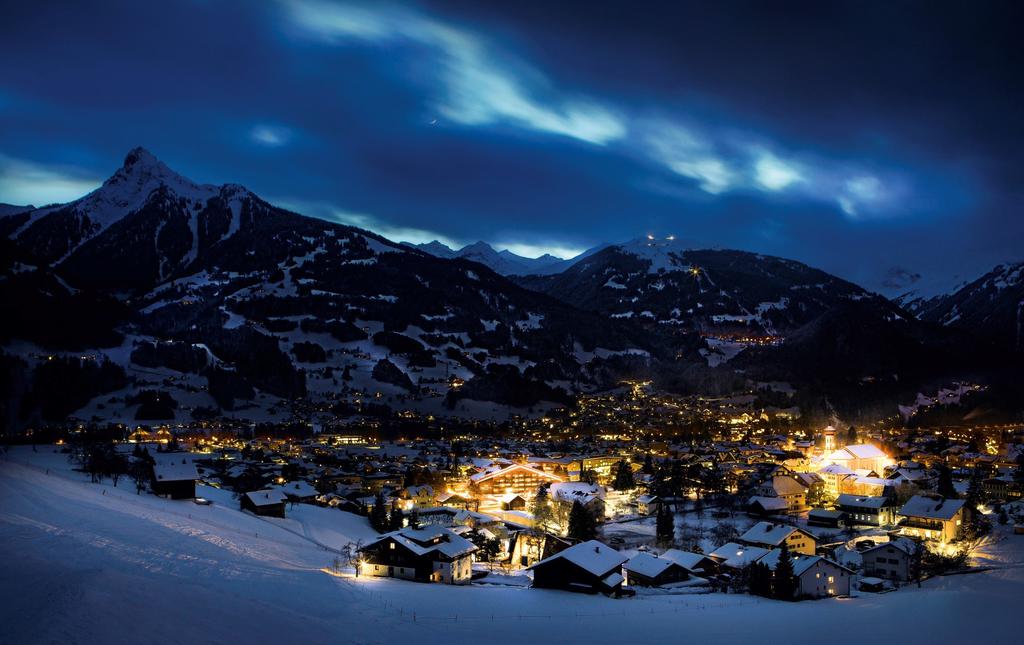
column 139, row 155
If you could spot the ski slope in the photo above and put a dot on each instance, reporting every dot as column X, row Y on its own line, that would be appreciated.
column 115, row 567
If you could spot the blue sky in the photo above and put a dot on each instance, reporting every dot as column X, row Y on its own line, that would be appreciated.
column 862, row 139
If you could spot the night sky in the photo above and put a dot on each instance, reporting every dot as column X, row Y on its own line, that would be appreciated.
column 862, row 138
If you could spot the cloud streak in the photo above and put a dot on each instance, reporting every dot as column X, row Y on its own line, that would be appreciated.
column 25, row 182
column 478, row 86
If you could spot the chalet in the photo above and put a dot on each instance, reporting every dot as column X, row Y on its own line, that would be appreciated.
column 529, row 547
column 460, row 501
column 516, row 478
column 771, row 535
column 269, row 502
column 766, row 505
column 870, row 511
column 300, row 491
column 786, row 488
column 932, row 518
column 648, row 504
column 174, row 475
column 646, row 570
column 589, row 567
column 817, row 577
column 591, row 496
column 1003, row 488
column 892, row 560
column 826, row 518
column 697, row 564
column 419, row 496
column 430, row 554
column 513, row 502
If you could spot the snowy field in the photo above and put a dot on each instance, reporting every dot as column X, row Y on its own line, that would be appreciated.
column 85, row 566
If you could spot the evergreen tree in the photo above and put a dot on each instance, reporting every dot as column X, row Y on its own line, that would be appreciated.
column 944, row 486
column 623, row 477
column 760, row 579
column 648, row 467
column 581, row 523
column 397, row 518
column 665, row 525
column 785, row 580
column 379, row 515
column 541, row 509
column 414, row 519
column 851, row 436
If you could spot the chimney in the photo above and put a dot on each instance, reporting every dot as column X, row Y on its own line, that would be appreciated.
column 597, row 549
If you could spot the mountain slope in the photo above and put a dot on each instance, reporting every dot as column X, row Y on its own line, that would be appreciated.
column 991, row 307
column 715, row 292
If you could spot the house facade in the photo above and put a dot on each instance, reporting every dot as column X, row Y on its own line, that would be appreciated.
column 893, row 560
column 587, row 567
column 867, row 511
column 932, row 518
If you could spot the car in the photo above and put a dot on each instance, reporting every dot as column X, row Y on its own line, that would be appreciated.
column 202, row 501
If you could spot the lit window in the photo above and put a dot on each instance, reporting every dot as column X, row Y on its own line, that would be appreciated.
column 392, row 545
column 831, row 579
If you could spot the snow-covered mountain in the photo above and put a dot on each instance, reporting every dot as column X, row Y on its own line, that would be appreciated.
column 668, row 283
column 503, row 262
column 233, row 300
column 991, row 306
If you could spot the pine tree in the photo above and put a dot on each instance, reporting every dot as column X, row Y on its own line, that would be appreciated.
column 541, row 509
column 379, row 515
column 665, row 525
column 851, row 436
column 648, row 467
column 945, row 484
column 396, row 519
column 623, row 477
column 414, row 519
column 785, row 580
column 581, row 523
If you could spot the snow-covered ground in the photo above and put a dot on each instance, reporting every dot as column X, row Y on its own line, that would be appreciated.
column 116, row 567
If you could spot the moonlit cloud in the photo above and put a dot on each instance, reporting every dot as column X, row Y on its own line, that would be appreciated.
column 774, row 174
column 25, row 182
column 687, row 154
column 395, row 233
column 477, row 89
column 271, row 136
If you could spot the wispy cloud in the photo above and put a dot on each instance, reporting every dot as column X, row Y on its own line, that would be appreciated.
column 271, row 136
column 25, row 182
column 395, row 233
column 478, row 87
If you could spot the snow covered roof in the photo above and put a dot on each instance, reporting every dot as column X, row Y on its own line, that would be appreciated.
column 174, row 466
column 931, row 508
column 857, row 451
column 784, row 485
column 906, row 545
column 429, row 539
column 497, row 472
column 648, row 565
column 836, row 469
column 769, row 533
column 737, row 555
column 685, row 559
column 299, row 489
column 801, row 563
column 582, row 492
column 875, row 502
column 591, row 556
column 266, row 497
column 769, row 503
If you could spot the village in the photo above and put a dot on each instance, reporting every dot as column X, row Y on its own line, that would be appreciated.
column 789, row 515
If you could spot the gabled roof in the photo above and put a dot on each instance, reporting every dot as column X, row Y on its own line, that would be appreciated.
column 685, row 559
column 771, row 533
column 858, row 501
column 591, row 556
column 931, row 508
column 498, row 472
column 266, row 497
column 649, row 565
column 173, row 467
column 737, row 555
column 429, row 539
column 801, row 563
column 769, row 503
